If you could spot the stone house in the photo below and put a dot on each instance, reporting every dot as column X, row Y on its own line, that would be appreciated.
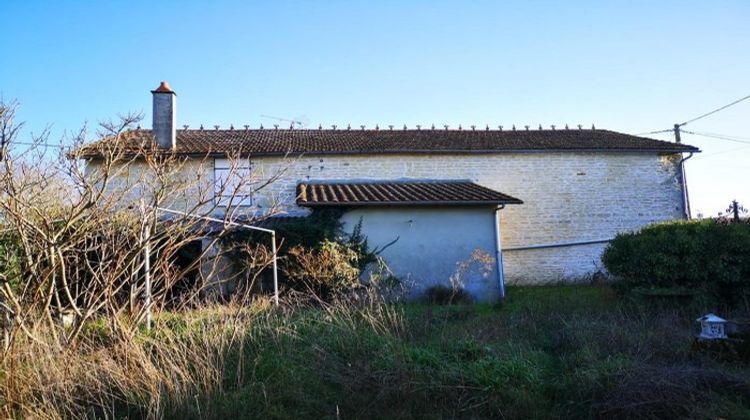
column 542, row 203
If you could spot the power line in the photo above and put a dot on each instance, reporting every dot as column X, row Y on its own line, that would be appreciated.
column 45, row 145
column 654, row 132
column 701, row 156
column 730, row 136
column 714, row 111
column 676, row 128
column 716, row 136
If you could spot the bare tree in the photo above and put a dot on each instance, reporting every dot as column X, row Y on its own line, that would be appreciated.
column 73, row 234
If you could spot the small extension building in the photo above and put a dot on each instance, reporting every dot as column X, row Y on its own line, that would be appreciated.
column 481, row 206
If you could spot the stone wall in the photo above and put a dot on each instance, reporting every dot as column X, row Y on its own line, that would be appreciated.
column 181, row 186
column 568, row 196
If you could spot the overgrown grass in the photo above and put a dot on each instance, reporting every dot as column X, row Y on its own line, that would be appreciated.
column 573, row 352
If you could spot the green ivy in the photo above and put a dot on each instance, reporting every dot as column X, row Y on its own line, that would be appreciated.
column 10, row 253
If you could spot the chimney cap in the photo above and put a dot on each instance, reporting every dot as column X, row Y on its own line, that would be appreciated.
column 163, row 88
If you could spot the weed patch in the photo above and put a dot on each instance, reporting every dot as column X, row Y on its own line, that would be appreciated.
column 565, row 352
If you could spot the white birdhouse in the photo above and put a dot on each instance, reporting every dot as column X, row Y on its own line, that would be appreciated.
column 712, row 327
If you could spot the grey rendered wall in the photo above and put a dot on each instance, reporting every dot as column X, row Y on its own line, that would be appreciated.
column 433, row 244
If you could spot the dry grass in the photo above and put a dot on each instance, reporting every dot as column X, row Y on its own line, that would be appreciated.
column 104, row 375
column 568, row 352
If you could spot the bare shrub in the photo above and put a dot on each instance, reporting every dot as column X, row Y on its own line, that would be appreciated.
column 323, row 271
column 76, row 226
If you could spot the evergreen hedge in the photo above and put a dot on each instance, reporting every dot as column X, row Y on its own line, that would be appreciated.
column 702, row 256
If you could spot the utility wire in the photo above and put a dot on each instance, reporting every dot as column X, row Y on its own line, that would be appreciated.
column 669, row 130
column 45, row 145
column 702, row 156
column 715, row 136
column 696, row 118
column 729, row 136
column 714, row 111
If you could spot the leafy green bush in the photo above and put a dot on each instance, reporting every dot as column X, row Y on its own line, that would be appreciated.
column 703, row 256
column 322, row 224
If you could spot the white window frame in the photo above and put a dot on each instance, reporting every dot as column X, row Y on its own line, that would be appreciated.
column 237, row 169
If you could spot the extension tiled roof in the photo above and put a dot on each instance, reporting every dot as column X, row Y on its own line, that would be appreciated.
column 277, row 142
column 389, row 193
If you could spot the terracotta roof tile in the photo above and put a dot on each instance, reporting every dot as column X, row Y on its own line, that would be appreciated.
column 321, row 142
column 389, row 193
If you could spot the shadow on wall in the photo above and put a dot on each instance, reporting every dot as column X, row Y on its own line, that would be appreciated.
column 471, row 281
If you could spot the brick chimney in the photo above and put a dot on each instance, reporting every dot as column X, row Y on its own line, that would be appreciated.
column 164, row 121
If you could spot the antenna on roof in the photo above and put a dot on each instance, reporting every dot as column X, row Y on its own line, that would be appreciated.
column 292, row 122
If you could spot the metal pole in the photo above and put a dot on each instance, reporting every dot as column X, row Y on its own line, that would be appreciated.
column 275, row 270
column 499, row 253
column 243, row 226
column 556, row 245
column 213, row 219
column 147, row 268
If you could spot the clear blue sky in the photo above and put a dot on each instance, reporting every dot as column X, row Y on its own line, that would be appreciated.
column 631, row 66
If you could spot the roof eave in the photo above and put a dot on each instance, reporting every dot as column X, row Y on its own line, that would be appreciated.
column 410, row 203
column 421, row 151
